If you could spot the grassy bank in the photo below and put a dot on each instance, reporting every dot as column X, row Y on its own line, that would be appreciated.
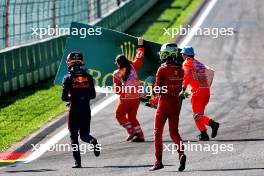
column 30, row 108
column 166, row 14
column 27, row 111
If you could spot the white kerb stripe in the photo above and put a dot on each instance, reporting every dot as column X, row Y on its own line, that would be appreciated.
column 199, row 22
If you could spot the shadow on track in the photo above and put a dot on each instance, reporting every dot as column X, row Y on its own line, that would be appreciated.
column 34, row 171
column 138, row 166
column 221, row 170
column 236, row 169
column 215, row 140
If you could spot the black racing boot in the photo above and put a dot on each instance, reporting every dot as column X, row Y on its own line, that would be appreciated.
column 77, row 159
column 97, row 149
column 214, row 125
column 203, row 136
column 156, row 166
column 182, row 163
column 139, row 137
column 76, row 152
column 77, row 164
column 130, row 131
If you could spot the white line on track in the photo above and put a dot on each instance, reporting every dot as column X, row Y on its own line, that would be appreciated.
column 199, row 22
column 53, row 140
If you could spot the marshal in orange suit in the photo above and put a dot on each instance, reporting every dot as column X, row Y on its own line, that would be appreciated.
column 195, row 76
column 124, row 77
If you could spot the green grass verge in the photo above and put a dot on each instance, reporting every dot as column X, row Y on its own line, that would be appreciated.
column 31, row 108
column 166, row 14
column 27, row 111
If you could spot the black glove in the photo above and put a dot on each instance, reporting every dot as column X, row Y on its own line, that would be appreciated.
column 182, row 94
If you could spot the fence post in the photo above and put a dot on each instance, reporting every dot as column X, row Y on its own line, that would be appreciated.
column 99, row 14
column 54, row 15
column 88, row 12
column 6, row 22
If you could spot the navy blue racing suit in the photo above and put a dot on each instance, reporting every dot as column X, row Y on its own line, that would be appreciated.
column 78, row 89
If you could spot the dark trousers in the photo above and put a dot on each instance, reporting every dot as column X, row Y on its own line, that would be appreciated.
column 79, row 123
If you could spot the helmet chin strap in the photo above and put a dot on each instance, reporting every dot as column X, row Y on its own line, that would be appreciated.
column 74, row 67
column 169, row 60
column 164, row 61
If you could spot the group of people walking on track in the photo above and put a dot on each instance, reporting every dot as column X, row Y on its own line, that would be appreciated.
column 179, row 70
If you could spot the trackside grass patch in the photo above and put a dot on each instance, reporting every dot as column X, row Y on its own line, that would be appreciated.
column 28, row 111
column 165, row 14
